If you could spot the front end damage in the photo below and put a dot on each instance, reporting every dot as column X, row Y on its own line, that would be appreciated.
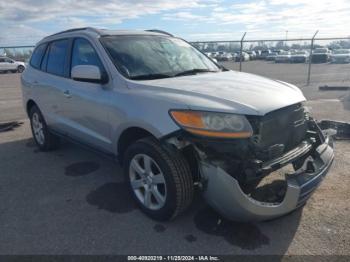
column 230, row 171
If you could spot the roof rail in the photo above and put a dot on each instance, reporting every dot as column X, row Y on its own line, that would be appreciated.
column 78, row 29
column 159, row 31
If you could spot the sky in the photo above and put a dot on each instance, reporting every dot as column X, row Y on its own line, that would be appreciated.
column 24, row 22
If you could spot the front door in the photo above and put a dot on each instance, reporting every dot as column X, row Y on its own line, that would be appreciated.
column 87, row 109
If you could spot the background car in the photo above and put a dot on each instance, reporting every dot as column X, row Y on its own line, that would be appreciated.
column 320, row 55
column 271, row 56
column 224, row 57
column 264, row 54
column 258, row 54
column 300, row 56
column 245, row 57
column 9, row 65
column 283, row 57
column 252, row 55
column 340, row 56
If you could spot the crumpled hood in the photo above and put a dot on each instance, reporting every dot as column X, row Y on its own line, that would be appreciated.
column 237, row 92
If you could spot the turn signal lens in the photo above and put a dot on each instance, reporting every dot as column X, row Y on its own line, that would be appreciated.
column 213, row 124
column 188, row 119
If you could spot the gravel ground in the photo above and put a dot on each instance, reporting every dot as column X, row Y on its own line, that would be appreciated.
column 72, row 201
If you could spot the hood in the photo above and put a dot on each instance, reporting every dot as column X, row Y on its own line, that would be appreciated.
column 229, row 91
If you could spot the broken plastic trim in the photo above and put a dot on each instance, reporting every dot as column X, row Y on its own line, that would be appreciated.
column 224, row 193
column 342, row 129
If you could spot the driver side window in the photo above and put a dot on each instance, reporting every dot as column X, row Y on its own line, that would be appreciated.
column 84, row 54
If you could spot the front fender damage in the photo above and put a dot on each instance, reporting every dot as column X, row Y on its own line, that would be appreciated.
column 225, row 194
column 226, row 191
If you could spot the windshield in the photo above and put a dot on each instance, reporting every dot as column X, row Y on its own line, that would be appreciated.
column 284, row 53
column 151, row 57
column 342, row 51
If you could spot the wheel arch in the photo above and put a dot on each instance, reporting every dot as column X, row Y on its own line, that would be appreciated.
column 129, row 136
column 29, row 105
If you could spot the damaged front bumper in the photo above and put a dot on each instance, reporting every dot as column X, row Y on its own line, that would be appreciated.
column 224, row 193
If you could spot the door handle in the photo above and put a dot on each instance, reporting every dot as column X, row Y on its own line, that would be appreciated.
column 67, row 94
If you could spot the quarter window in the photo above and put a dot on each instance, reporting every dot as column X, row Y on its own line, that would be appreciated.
column 57, row 57
column 37, row 56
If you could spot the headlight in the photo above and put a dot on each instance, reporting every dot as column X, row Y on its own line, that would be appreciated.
column 213, row 124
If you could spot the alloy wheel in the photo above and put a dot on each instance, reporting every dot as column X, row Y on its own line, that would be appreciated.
column 147, row 181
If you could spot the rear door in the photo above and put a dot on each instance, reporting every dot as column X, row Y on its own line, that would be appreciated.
column 52, row 84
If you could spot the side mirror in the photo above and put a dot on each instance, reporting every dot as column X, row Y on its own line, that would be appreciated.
column 88, row 73
column 215, row 60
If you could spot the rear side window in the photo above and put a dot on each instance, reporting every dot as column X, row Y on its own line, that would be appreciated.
column 37, row 56
column 84, row 54
column 56, row 60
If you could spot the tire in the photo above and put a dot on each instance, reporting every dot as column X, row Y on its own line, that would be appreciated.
column 20, row 69
column 45, row 140
column 177, row 187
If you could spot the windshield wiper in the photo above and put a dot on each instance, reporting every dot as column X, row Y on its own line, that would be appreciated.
column 150, row 76
column 195, row 71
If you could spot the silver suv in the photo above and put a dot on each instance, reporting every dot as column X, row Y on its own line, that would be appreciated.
column 176, row 121
column 9, row 65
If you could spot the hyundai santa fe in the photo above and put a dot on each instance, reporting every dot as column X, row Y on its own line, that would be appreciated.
column 176, row 121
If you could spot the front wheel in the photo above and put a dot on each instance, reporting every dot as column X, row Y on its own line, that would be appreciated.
column 160, row 180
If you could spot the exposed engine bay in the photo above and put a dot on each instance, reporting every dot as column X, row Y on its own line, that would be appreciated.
column 285, row 137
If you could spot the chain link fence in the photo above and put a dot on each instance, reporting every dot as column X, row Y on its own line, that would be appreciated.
column 312, row 61
column 304, row 61
column 19, row 53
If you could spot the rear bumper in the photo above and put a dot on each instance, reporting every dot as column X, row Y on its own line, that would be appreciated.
column 224, row 193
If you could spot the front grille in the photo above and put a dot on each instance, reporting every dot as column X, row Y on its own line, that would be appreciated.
column 285, row 127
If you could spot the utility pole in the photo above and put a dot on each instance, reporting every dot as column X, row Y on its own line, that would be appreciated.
column 310, row 59
column 241, row 53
